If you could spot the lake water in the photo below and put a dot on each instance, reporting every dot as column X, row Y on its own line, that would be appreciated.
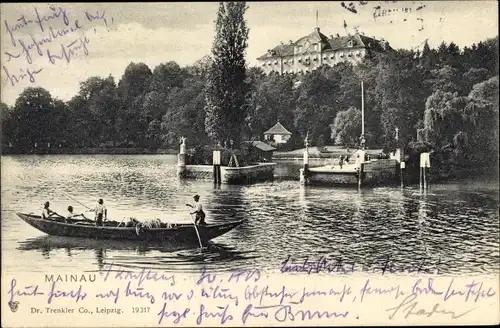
column 453, row 224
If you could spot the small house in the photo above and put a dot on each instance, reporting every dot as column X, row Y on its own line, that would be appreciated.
column 264, row 150
column 278, row 134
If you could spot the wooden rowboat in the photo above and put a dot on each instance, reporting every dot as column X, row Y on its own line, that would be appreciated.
column 182, row 232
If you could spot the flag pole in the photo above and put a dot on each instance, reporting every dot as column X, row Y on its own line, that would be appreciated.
column 362, row 109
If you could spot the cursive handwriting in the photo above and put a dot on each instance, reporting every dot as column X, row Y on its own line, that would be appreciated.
column 221, row 313
column 409, row 307
column 56, row 13
column 317, row 266
column 178, row 316
column 21, row 23
column 369, row 290
column 14, row 79
column 140, row 277
column 256, row 292
column 283, row 313
column 28, row 290
column 77, row 295
column 70, row 50
column 424, row 266
column 55, row 36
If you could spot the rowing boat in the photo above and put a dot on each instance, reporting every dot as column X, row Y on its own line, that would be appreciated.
column 181, row 232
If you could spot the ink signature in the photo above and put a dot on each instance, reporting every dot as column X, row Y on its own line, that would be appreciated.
column 410, row 307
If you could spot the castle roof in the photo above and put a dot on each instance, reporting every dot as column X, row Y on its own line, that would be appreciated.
column 327, row 44
column 278, row 129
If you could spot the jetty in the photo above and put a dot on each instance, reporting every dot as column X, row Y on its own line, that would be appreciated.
column 232, row 172
column 359, row 170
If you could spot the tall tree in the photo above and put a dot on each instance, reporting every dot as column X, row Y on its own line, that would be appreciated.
column 225, row 87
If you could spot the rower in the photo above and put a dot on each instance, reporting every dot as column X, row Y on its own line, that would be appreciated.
column 198, row 210
column 47, row 212
column 71, row 215
column 100, row 210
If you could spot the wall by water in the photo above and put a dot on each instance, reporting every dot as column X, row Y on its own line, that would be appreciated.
column 232, row 175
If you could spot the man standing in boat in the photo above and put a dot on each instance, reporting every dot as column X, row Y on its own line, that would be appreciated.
column 198, row 210
column 100, row 210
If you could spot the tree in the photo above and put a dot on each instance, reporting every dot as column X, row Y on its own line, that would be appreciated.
column 34, row 115
column 346, row 128
column 225, row 87
column 132, row 88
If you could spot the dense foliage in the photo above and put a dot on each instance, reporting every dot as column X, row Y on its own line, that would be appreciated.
column 445, row 99
column 225, row 86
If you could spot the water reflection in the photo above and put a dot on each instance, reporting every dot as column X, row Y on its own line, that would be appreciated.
column 138, row 254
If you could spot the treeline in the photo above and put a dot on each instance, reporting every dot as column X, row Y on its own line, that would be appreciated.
column 445, row 99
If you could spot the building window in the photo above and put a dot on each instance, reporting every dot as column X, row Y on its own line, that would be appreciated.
column 300, row 60
column 332, row 56
column 315, row 58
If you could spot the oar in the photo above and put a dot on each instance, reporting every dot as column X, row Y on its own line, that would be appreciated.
column 77, row 201
column 197, row 232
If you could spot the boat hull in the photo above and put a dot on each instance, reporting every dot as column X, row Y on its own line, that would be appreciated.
column 184, row 233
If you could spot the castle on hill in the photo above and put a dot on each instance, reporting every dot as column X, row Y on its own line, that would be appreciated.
column 316, row 49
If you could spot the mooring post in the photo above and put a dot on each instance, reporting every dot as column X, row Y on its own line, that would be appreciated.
column 216, row 166
column 181, row 158
column 425, row 162
column 401, row 173
column 305, row 169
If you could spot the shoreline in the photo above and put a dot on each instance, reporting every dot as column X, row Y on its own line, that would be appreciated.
column 90, row 151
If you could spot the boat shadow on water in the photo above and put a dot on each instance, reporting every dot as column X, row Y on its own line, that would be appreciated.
column 131, row 255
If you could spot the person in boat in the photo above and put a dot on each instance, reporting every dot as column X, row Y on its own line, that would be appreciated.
column 100, row 212
column 198, row 210
column 341, row 160
column 47, row 212
column 72, row 215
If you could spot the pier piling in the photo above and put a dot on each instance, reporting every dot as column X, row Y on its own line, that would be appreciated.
column 181, row 158
column 216, row 167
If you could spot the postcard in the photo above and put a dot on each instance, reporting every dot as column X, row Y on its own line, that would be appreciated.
column 249, row 164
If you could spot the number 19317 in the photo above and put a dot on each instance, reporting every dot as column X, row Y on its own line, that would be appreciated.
column 142, row 309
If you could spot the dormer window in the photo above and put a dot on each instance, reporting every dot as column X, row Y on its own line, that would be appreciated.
column 315, row 58
column 332, row 56
column 350, row 43
column 325, row 58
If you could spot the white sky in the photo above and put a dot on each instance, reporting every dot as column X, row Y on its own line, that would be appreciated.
column 183, row 32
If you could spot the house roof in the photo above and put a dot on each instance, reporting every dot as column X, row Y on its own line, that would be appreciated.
column 278, row 129
column 261, row 145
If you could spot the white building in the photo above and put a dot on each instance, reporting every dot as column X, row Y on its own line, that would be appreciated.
column 315, row 50
column 278, row 134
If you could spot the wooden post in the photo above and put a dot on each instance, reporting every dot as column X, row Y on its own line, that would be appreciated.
column 216, row 164
column 360, row 175
column 425, row 178
column 401, row 174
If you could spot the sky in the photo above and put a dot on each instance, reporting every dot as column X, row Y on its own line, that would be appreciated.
column 58, row 46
